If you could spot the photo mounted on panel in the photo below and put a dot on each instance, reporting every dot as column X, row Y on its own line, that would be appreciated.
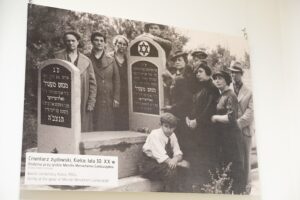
column 174, row 105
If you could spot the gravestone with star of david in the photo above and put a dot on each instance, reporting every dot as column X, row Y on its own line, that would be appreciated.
column 146, row 61
column 59, row 96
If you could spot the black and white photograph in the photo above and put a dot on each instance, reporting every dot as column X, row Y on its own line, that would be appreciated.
column 174, row 105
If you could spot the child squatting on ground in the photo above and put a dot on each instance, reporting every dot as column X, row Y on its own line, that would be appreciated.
column 163, row 157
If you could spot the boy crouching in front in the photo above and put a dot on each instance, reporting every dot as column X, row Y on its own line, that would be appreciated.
column 163, row 157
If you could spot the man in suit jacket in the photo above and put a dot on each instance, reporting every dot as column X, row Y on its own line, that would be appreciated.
column 108, row 84
column 87, row 76
column 245, row 116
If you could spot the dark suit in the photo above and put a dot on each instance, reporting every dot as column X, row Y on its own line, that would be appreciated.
column 108, row 90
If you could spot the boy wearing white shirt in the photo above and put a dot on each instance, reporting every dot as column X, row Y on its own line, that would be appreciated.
column 163, row 157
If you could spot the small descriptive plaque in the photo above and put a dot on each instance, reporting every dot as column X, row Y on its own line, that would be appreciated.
column 145, row 93
column 56, row 96
column 70, row 169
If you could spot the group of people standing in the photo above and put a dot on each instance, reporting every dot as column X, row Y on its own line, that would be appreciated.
column 104, row 80
column 104, row 93
column 214, row 110
column 215, row 113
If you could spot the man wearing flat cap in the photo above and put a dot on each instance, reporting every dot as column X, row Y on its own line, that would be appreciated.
column 199, row 57
column 87, row 76
column 245, row 115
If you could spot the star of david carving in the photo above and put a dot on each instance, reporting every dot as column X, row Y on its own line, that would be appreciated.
column 143, row 48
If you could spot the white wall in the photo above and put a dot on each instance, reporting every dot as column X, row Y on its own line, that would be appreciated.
column 273, row 27
column 290, row 31
column 274, row 77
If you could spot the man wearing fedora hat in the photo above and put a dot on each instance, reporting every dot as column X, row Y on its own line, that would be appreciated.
column 245, row 115
column 87, row 76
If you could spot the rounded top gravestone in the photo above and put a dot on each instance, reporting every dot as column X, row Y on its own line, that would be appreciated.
column 58, row 107
column 146, row 61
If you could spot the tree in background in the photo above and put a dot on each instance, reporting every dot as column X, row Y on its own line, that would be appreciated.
column 45, row 27
column 246, row 63
column 220, row 58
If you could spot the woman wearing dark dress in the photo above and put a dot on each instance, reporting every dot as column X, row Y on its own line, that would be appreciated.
column 120, row 43
column 180, row 99
column 203, row 137
column 228, row 133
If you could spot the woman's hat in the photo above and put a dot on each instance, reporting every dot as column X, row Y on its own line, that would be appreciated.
column 178, row 54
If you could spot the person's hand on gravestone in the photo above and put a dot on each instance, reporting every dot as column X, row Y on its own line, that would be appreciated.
column 166, row 108
column 116, row 104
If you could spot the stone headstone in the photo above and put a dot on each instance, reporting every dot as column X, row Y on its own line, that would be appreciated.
column 146, row 61
column 59, row 125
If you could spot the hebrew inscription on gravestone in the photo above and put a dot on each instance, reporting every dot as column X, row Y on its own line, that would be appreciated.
column 145, row 88
column 56, row 96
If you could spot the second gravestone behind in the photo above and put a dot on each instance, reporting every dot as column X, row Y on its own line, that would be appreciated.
column 58, row 107
column 146, row 62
